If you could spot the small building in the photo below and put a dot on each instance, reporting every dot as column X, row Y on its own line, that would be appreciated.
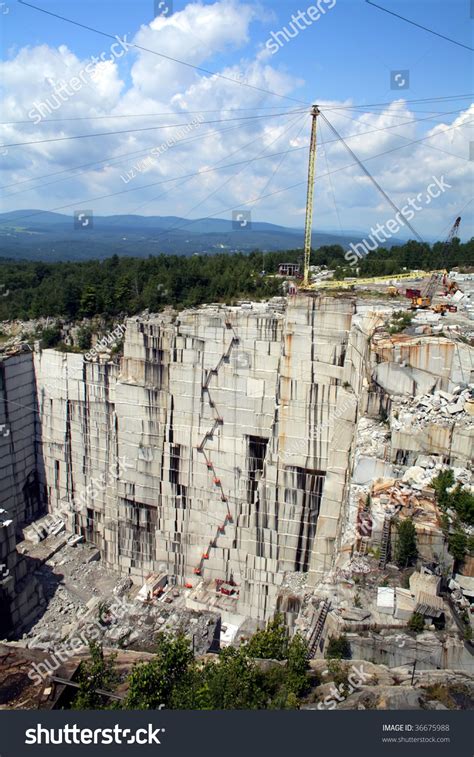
column 386, row 600
column 425, row 588
column 288, row 269
column 404, row 604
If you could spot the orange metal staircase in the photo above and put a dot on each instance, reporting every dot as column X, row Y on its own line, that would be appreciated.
column 208, row 436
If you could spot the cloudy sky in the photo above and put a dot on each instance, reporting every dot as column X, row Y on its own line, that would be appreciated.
column 361, row 65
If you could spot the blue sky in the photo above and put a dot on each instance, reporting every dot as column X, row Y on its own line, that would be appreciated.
column 346, row 55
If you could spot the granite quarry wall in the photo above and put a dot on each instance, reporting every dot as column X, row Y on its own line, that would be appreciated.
column 220, row 446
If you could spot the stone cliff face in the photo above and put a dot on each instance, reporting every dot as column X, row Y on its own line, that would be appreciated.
column 20, row 468
column 219, row 447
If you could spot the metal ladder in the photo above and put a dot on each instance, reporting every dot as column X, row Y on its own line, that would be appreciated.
column 385, row 546
column 317, row 630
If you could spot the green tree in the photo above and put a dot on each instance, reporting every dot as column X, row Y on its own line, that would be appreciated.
column 462, row 501
column 416, row 623
column 406, row 550
column 297, row 677
column 272, row 642
column 89, row 304
column 233, row 683
column 84, row 338
column 98, row 672
column 443, row 481
column 151, row 683
column 457, row 544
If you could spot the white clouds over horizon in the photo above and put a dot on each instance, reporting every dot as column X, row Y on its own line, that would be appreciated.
column 216, row 37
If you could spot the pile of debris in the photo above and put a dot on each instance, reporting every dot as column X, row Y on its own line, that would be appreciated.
column 372, row 438
column 462, row 592
column 439, row 408
column 135, row 624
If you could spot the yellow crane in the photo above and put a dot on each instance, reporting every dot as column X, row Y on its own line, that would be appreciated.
column 315, row 112
column 310, row 196
column 347, row 284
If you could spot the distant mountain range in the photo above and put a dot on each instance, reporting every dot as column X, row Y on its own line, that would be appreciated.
column 52, row 237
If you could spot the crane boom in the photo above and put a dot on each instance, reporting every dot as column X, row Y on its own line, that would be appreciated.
column 449, row 240
column 310, row 195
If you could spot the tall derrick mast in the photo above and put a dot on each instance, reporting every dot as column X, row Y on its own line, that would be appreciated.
column 310, row 196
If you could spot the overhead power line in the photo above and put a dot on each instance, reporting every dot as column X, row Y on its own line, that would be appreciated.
column 299, row 184
column 162, row 55
column 114, row 160
column 144, row 115
column 445, row 98
column 432, row 147
column 369, row 175
column 232, row 178
column 432, row 114
column 149, row 128
column 293, row 186
column 420, row 26
column 199, row 136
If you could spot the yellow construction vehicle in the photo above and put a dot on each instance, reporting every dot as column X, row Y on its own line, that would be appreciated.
column 424, row 300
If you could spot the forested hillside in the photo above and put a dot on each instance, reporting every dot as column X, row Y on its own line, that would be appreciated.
column 129, row 285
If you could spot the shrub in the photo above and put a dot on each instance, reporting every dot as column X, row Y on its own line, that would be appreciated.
column 444, row 480
column 271, row 643
column 457, row 544
column 84, row 338
column 416, row 623
column 406, row 550
column 338, row 649
column 50, row 337
column 95, row 673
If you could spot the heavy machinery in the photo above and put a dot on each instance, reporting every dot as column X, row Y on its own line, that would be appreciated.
column 444, row 308
column 424, row 299
column 450, row 286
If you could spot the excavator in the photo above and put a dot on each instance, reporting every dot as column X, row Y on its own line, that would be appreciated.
column 423, row 299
